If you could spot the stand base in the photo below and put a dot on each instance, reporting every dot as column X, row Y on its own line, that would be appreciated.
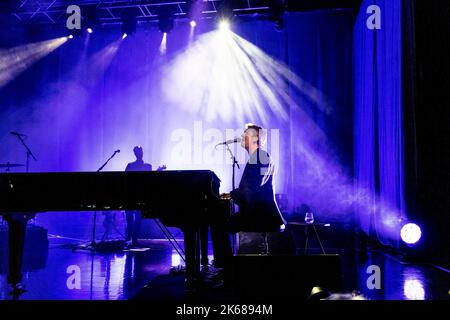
column 103, row 246
column 17, row 290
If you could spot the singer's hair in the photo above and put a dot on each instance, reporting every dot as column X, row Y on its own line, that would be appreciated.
column 260, row 133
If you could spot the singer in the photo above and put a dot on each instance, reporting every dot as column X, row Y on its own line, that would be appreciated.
column 134, row 217
column 258, row 210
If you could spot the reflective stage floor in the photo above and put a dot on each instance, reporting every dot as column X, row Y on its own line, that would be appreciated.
column 52, row 275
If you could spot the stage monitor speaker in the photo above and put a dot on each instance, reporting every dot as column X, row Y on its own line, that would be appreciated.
column 279, row 243
column 284, row 277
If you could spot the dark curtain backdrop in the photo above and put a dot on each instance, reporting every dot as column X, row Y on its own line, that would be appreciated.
column 428, row 127
column 379, row 124
column 89, row 98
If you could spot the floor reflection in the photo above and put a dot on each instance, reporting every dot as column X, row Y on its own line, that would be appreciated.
column 121, row 275
column 400, row 280
column 413, row 289
column 108, row 276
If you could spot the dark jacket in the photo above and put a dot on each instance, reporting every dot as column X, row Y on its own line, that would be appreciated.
column 255, row 197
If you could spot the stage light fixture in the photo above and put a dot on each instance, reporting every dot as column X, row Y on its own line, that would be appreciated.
column 318, row 293
column 277, row 9
column 129, row 22
column 410, row 233
column 165, row 21
column 124, row 36
column 89, row 14
column 75, row 33
column 194, row 11
column 225, row 13
column 224, row 25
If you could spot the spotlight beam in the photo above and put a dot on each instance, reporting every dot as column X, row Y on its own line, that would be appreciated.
column 163, row 45
column 100, row 61
column 226, row 77
column 264, row 62
column 262, row 80
column 256, row 83
column 16, row 60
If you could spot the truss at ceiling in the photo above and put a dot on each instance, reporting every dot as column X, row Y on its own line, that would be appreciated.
column 110, row 11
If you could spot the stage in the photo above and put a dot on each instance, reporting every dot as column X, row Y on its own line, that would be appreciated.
column 223, row 150
column 146, row 275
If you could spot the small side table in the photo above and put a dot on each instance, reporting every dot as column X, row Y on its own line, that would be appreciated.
column 309, row 226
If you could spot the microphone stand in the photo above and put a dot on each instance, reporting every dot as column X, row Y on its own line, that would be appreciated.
column 113, row 155
column 29, row 153
column 235, row 163
column 15, row 268
column 93, row 244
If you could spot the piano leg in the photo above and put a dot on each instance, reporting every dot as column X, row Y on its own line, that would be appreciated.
column 192, row 254
column 17, row 224
column 204, row 245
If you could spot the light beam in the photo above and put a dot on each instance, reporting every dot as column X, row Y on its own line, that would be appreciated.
column 163, row 45
column 16, row 60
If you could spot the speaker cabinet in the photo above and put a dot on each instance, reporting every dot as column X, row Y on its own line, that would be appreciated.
column 284, row 277
column 279, row 243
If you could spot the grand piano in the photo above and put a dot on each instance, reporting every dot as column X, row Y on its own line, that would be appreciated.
column 188, row 200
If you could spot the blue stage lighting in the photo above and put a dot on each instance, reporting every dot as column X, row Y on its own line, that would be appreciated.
column 410, row 233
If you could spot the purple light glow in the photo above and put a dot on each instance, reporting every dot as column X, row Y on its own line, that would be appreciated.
column 219, row 81
column 239, row 88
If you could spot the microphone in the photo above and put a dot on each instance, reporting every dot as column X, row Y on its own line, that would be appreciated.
column 17, row 134
column 230, row 141
column 117, row 151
